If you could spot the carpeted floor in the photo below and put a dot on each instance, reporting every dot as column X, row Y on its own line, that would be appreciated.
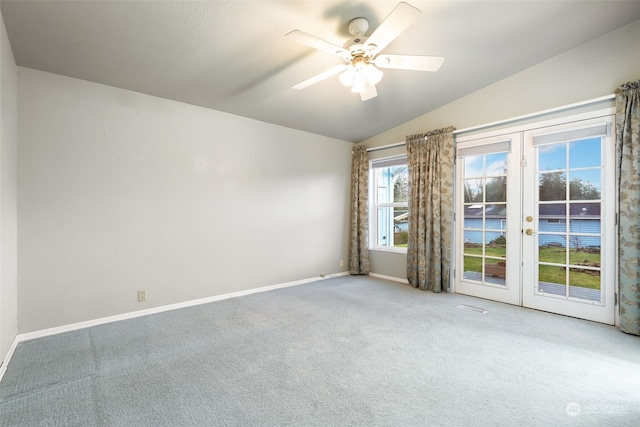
column 339, row 352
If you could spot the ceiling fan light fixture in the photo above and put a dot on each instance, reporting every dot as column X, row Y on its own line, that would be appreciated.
column 346, row 78
column 374, row 74
column 359, row 80
column 361, row 70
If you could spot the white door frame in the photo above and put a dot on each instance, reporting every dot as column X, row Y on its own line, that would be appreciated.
column 510, row 292
column 476, row 139
column 600, row 311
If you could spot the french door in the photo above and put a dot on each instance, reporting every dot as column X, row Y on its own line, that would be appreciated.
column 535, row 218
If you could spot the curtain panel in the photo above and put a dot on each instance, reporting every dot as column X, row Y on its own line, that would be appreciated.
column 628, row 176
column 359, row 256
column 430, row 163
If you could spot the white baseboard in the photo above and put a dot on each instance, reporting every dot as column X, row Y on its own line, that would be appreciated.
column 131, row 315
column 7, row 358
column 393, row 279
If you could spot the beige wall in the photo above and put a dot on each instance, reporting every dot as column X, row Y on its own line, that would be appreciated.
column 8, row 221
column 592, row 70
column 121, row 191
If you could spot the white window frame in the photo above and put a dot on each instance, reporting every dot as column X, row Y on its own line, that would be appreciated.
column 373, row 205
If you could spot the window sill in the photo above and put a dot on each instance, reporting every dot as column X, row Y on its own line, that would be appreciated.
column 402, row 251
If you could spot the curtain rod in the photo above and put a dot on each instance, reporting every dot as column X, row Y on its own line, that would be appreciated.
column 513, row 119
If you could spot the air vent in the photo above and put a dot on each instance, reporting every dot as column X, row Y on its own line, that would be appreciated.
column 476, row 309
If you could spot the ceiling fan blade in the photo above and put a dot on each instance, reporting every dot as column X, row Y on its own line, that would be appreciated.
column 316, row 43
column 398, row 20
column 319, row 77
column 409, row 62
column 368, row 92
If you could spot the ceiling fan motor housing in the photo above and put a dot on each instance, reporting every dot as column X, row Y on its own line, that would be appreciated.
column 356, row 45
column 358, row 26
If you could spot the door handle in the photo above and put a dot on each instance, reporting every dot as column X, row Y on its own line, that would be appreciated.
column 529, row 232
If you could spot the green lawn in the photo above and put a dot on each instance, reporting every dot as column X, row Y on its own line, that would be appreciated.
column 546, row 273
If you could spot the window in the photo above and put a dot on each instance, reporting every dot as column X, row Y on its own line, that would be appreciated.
column 389, row 195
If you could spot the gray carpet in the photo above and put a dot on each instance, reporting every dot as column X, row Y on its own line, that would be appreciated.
column 344, row 351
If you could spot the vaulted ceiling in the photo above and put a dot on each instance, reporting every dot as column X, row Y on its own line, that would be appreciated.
column 232, row 56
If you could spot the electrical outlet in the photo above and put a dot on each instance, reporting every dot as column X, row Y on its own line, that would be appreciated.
column 142, row 296
column 341, row 263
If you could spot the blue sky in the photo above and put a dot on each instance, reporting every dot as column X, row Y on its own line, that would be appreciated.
column 584, row 161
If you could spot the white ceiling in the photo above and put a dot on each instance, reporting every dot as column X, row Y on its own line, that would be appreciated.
column 231, row 55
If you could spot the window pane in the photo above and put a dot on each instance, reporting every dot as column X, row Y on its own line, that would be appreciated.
column 400, row 177
column 552, row 186
column 400, row 227
column 494, row 215
column 552, row 157
column 586, row 252
column 473, row 215
column 552, row 248
column 390, row 184
column 585, row 218
column 473, row 192
column 552, row 217
column 584, row 284
column 473, row 268
column 552, row 279
column 585, row 153
column 473, row 166
column 496, row 244
column 496, row 189
column 485, row 218
column 473, row 242
column 496, row 164
column 585, row 184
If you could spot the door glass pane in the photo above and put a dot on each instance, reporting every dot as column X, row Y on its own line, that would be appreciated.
column 496, row 164
column 552, row 248
column 552, row 186
column 552, row 217
column 473, row 268
column 585, row 250
column 473, row 241
column 552, row 279
column 495, row 264
column 569, row 233
column 497, row 245
column 473, row 191
column 473, row 166
column 552, row 157
column 485, row 218
column 473, row 216
column 585, row 153
column 496, row 189
column 585, row 184
column 584, row 283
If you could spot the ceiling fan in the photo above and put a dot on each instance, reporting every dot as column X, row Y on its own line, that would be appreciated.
column 361, row 70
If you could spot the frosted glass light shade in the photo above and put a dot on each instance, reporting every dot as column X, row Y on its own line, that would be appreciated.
column 346, row 78
column 374, row 74
column 358, row 81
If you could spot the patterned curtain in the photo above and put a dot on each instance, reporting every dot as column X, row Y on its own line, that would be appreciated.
column 628, row 174
column 430, row 161
column 359, row 211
